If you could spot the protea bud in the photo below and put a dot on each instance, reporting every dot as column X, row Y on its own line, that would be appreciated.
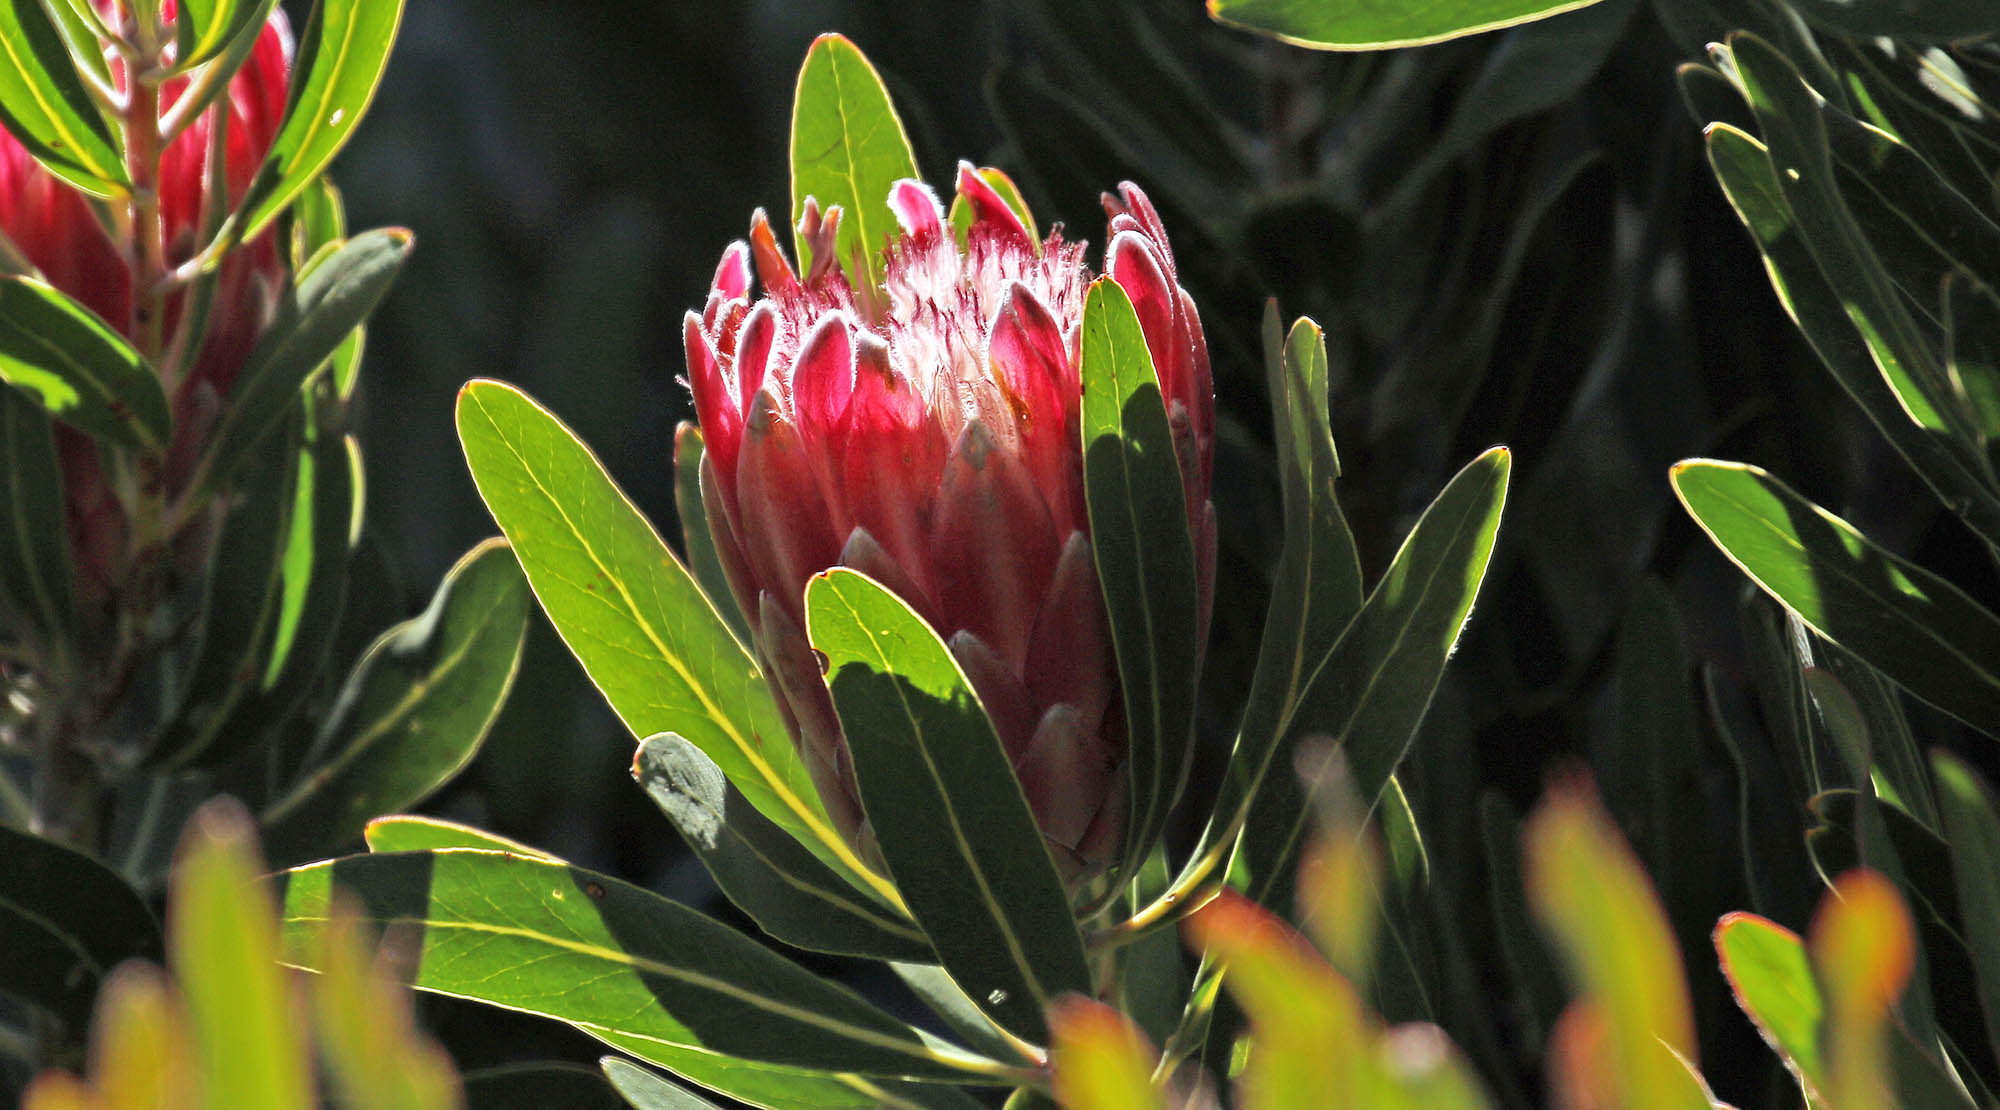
column 926, row 434
column 55, row 229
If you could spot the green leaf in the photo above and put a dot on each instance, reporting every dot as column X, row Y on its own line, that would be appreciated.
column 45, row 106
column 415, row 710
column 223, row 945
column 1972, row 330
column 1973, row 831
column 1928, row 20
column 848, row 148
column 1369, row 689
column 1920, row 226
column 203, row 28
column 35, row 583
column 776, row 1088
column 1372, row 25
column 542, row 937
column 78, row 368
column 642, row 1090
column 690, row 502
column 1916, row 628
column 634, row 617
column 340, row 61
column 1099, row 1059
column 953, row 824
column 1747, row 176
column 1145, row 557
column 65, row 920
column 538, row 1085
column 406, row 832
column 788, row 893
column 1768, row 972
column 314, row 319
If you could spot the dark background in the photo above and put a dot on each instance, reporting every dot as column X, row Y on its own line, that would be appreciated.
column 1568, row 282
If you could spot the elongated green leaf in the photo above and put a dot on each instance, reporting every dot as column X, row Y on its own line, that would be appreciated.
column 1744, row 169
column 790, row 895
column 702, row 559
column 65, row 920
column 1972, row 329
column 540, row 1084
column 407, row 832
column 416, row 708
column 1768, row 972
column 35, row 586
column 1918, row 208
column 45, row 106
column 1789, row 114
column 848, row 148
column 951, row 818
column 314, row 319
column 59, row 353
column 1908, row 623
column 341, row 59
column 203, row 28
column 1369, row 689
column 1145, row 557
column 223, row 943
column 545, row 938
column 1973, row 831
column 1372, row 25
column 632, row 614
column 778, row 1088
column 642, row 1090
column 954, row 826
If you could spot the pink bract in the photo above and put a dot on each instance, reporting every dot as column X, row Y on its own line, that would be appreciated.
column 926, row 434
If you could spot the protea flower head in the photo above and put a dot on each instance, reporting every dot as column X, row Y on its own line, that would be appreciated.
column 926, row 434
column 54, row 228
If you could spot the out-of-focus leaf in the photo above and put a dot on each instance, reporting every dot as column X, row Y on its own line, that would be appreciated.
column 1973, row 831
column 202, row 28
column 1145, row 556
column 642, row 1090
column 35, row 586
column 1862, row 946
column 1924, row 20
column 314, row 319
column 1366, row 25
column 45, row 106
column 1596, row 902
column 1369, row 689
column 702, row 559
column 341, row 58
column 1532, row 972
column 634, row 617
column 65, row 921
column 415, row 710
column 792, row 896
column 1098, row 1059
column 414, row 833
column 222, row 938
column 140, row 1052
column 954, row 826
column 73, row 364
column 1767, row 969
column 1972, row 330
column 848, row 148
column 1744, row 168
column 542, row 937
column 1913, row 626
column 373, row 1051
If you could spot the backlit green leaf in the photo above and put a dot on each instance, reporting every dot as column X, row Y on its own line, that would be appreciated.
column 848, row 148
column 1375, row 25
column 73, row 364
column 45, row 106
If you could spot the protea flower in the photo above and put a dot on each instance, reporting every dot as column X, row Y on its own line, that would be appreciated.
column 54, row 229
column 926, row 434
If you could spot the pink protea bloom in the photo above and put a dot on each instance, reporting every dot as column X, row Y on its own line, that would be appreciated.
column 55, row 229
column 926, row 434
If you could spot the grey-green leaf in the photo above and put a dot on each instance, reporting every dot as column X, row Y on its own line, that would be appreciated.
column 414, row 711
column 1916, row 628
column 642, row 1090
column 785, row 890
column 65, row 920
column 953, row 824
column 77, row 367
column 545, row 938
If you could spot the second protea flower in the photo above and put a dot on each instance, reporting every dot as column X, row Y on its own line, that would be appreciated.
column 926, row 434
